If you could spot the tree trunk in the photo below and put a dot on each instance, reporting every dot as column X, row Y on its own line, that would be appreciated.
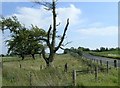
column 33, row 56
column 50, row 59
column 49, row 64
column 22, row 57
column 52, row 48
column 40, row 55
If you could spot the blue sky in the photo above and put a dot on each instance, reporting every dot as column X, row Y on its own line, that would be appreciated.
column 92, row 24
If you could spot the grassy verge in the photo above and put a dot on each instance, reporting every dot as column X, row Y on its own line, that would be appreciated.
column 13, row 75
column 108, row 54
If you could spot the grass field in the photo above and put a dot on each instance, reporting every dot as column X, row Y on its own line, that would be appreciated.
column 110, row 54
column 13, row 75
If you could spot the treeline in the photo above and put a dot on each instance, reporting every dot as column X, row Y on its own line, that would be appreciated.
column 105, row 49
column 80, row 49
column 2, row 55
column 72, row 50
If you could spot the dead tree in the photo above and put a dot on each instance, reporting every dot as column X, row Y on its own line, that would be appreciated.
column 51, row 34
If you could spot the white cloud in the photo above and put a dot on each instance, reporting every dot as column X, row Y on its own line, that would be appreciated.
column 99, row 31
column 42, row 18
column 71, row 12
column 34, row 16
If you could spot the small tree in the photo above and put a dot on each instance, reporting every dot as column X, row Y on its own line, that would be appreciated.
column 23, row 41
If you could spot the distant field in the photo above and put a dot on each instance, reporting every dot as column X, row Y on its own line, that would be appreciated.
column 115, row 54
column 13, row 75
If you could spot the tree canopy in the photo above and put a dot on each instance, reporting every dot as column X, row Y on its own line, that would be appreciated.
column 23, row 41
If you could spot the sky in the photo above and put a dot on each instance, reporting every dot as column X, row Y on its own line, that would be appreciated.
column 92, row 24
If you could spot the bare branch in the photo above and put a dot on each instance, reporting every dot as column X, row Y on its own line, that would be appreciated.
column 58, row 24
column 42, row 39
column 66, row 43
column 48, row 35
column 45, row 40
column 62, row 48
column 48, row 5
column 60, row 43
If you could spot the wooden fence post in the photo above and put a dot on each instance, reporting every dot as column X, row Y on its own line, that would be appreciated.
column 74, row 77
column 66, row 67
column 92, row 59
column 97, row 61
column 30, row 79
column 20, row 65
column 107, row 67
column 115, row 63
column 96, row 73
column 101, row 62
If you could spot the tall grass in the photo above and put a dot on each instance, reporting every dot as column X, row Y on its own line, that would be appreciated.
column 13, row 75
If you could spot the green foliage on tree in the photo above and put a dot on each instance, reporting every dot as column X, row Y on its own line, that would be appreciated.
column 10, row 23
column 23, row 41
column 83, row 49
column 73, row 50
